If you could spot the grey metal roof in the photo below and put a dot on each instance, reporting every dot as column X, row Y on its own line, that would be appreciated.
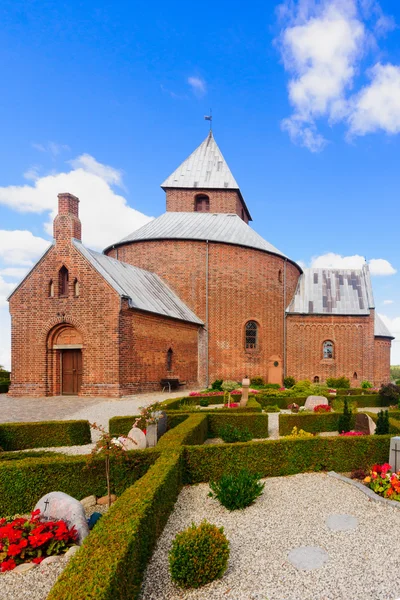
column 145, row 290
column 380, row 328
column 333, row 292
column 204, row 168
column 226, row 228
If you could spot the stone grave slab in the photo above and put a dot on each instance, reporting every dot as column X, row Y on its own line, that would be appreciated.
column 341, row 522
column 313, row 401
column 57, row 506
column 308, row 558
column 135, row 435
column 394, row 454
column 162, row 424
column 365, row 424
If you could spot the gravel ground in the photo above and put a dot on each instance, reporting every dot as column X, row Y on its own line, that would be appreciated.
column 33, row 585
column 363, row 564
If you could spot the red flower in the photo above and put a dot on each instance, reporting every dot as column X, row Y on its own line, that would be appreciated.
column 38, row 560
column 8, row 565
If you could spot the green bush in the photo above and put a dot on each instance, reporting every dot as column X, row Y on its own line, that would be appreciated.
column 4, row 386
column 394, row 421
column 23, row 482
column 204, row 402
column 397, row 381
column 236, row 492
column 366, row 385
column 44, row 434
column 198, row 555
column 216, row 385
column 289, row 382
column 229, row 386
column 231, row 434
column 338, row 382
column 256, row 423
column 311, row 422
column 191, row 431
column 389, row 393
column 346, row 419
column 259, row 381
column 382, row 423
column 5, row 375
column 272, row 409
column 111, row 562
column 286, row 457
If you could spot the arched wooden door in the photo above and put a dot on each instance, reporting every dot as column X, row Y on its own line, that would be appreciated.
column 71, row 372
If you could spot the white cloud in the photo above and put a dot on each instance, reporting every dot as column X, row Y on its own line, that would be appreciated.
column 394, row 327
column 388, row 302
column 21, row 247
column 106, row 217
column 51, row 148
column 5, row 291
column 377, row 105
column 5, row 333
column 330, row 260
column 320, row 48
column 198, row 85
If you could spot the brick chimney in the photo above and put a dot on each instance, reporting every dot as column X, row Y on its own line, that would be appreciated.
column 67, row 224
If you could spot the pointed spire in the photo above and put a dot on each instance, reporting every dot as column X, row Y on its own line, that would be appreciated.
column 204, row 168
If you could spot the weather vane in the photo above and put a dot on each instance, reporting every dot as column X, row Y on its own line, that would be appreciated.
column 209, row 118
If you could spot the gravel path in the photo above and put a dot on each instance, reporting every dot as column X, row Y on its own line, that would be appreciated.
column 363, row 563
column 33, row 585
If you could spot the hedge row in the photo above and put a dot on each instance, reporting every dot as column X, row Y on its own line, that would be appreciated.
column 112, row 560
column 44, row 434
column 281, row 401
column 192, row 430
column 311, row 422
column 354, row 391
column 180, row 403
column 24, row 482
column 257, row 424
column 285, row 457
column 4, row 386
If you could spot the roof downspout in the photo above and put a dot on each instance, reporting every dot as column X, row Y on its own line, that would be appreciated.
column 207, row 258
column 284, row 318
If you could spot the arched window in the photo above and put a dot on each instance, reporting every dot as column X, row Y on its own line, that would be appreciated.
column 202, row 203
column 355, row 376
column 251, row 342
column 170, row 354
column 76, row 288
column 63, row 281
column 328, row 349
column 51, row 289
column 280, row 276
column 316, row 379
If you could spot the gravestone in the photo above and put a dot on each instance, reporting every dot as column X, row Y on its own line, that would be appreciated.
column 394, row 454
column 308, row 558
column 313, row 401
column 245, row 391
column 162, row 424
column 151, row 435
column 365, row 424
column 57, row 506
column 136, row 440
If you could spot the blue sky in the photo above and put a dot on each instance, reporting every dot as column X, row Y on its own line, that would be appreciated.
column 105, row 100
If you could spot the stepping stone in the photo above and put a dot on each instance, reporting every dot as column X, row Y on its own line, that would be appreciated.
column 308, row 558
column 341, row 522
column 25, row 567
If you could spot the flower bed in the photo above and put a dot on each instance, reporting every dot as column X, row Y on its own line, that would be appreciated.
column 32, row 540
column 384, row 482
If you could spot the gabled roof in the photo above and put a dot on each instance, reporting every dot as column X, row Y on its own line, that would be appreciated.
column 205, row 168
column 380, row 328
column 220, row 227
column 144, row 290
column 333, row 292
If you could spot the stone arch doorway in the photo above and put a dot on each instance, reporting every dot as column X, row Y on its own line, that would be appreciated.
column 65, row 364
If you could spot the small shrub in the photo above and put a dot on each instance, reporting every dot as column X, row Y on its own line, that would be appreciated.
column 229, row 386
column 231, row 434
column 236, row 492
column 216, row 385
column 346, row 419
column 338, row 404
column 389, row 393
column 338, row 382
column 366, row 385
column 272, row 409
column 289, row 382
column 299, row 434
column 382, row 423
column 257, row 381
column 204, row 402
column 198, row 555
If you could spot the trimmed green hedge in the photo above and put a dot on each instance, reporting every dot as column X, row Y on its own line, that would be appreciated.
column 371, row 400
column 44, row 434
column 354, row 391
column 179, row 403
column 4, row 386
column 281, row 401
column 112, row 560
column 192, row 431
column 285, row 457
column 24, row 482
column 311, row 422
column 257, row 424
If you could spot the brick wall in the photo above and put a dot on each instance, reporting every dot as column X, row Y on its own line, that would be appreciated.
column 243, row 284
column 353, row 338
column 221, row 201
column 144, row 343
column 382, row 360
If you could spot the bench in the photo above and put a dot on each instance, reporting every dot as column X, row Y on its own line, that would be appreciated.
column 171, row 383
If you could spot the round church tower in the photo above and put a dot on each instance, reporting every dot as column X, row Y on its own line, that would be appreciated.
column 237, row 283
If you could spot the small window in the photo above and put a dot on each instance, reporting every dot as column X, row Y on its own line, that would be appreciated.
column 76, row 288
column 251, row 335
column 328, row 349
column 63, row 279
column 355, row 376
column 280, row 276
column 202, row 203
column 170, row 354
column 51, row 289
column 316, row 379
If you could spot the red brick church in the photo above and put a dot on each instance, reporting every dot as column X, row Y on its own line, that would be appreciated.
column 195, row 295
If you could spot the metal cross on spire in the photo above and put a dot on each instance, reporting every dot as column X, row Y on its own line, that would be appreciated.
column 209, row 118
